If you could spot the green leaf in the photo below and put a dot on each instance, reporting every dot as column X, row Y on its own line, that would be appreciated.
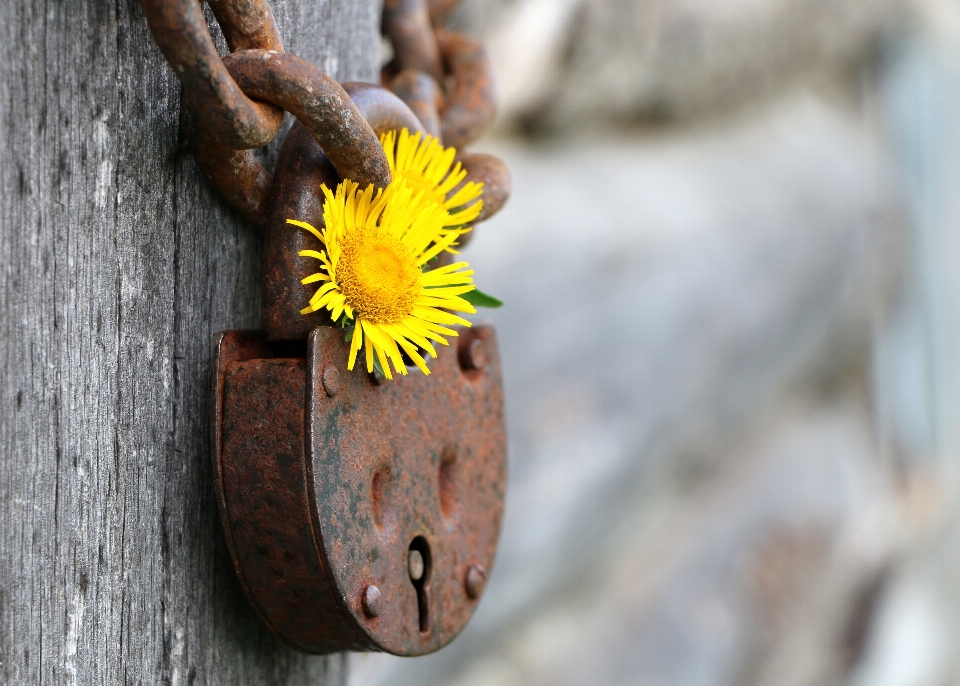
column 348, row 334
column 377, row 367
column 478, row 298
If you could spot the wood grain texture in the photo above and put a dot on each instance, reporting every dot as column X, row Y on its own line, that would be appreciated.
column 118, row 268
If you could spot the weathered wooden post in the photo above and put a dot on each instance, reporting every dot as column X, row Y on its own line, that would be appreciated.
column 119, row 266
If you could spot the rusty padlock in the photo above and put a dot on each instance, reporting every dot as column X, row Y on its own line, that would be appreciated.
column 360, row 514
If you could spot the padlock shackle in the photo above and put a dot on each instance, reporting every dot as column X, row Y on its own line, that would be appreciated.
column 302, row 167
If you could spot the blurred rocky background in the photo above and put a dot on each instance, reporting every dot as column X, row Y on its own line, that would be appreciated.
column 731, row 345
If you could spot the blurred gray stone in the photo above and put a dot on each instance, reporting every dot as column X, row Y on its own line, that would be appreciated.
column 577, row 63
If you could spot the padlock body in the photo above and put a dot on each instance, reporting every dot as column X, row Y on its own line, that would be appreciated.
column 329, row 481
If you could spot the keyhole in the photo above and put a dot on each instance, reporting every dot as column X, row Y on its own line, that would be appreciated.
column 418, row 566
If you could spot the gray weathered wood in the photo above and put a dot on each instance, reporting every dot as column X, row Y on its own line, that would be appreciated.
column 118, row 267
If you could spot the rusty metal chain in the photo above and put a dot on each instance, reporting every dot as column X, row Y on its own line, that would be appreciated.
column 223, row 123
column 438, row 82
column 234, row 104
column 447, row 80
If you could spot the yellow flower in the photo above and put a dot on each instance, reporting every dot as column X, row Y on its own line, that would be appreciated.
column 426, row 166
column 376, row 247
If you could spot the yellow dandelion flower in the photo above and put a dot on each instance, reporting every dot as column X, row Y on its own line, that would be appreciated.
column 376, row 248
column 425, row 166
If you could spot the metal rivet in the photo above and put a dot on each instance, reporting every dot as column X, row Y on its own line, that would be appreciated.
column 331, row 380
column 474, row 582
column 371, row 601
column 473, row 356
column 415, row 565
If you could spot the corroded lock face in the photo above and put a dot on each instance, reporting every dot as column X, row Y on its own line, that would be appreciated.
column 360, row 515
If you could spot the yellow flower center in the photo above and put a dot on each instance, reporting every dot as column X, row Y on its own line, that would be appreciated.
column 378, row 276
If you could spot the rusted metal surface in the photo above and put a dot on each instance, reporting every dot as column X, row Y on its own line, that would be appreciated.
column 234, row 119
column 302, row 167
column 263, row 495
column 463, row 114
column 422, row 55
column 360, row 514
column 407, row 24
column 247, row 24
column 322, row 106
column 240, row 178
column 233, row 104
column 495, row 177
column 422, row 95
column 324, row 497
column 471, row 106
column 383, row 110
column 219, row 122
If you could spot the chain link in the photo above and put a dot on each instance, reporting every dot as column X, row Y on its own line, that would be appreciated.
column 446, row 78
column 227, row 113
column 233, row 104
